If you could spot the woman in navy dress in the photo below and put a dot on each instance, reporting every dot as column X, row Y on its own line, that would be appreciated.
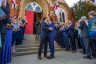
column 16, row 29
column 20, row 32
column 65, row 36
column 51, row 37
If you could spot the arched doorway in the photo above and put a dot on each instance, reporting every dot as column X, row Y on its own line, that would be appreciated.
column 32, row 12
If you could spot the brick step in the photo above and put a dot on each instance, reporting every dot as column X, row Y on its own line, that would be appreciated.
column 33, row 52
column 32, row 45
column 30, row 48
column 31, row 42
column 27, row 45
column 29, row 36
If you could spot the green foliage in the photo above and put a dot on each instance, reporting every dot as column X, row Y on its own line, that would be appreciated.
column 81, row 9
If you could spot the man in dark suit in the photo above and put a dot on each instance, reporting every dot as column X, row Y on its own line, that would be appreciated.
column 72, row 36
column 84, row 35
column 43, row 39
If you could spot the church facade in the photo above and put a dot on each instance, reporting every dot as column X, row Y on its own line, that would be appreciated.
column 33, row 9
column 47, row 7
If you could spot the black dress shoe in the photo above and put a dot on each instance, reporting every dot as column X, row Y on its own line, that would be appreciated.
column 94, row 56
column 40, row 58
column 87, row 57
column 45, row 56
column 50, row 57
column 74, row 51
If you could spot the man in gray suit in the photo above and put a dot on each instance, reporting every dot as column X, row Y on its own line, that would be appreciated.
column 84, row 35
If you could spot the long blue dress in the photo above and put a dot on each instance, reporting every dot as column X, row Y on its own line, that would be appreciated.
column 6, row 52
column 20, row 35
column 66, row 38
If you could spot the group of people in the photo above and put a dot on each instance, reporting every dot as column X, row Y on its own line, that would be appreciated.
column 71, row 36
column 11, row 33
column 52, row 31
column 87, row 34
column 18, row 27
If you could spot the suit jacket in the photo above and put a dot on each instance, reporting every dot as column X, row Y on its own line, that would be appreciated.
column 84, row 29
column 65, row 32
column 44, row 30
column 71, row 31
column 45, row 27
column 52, row 33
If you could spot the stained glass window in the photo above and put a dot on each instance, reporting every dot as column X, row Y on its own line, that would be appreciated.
column 29, row 7
column 34, row 7
column 38, row 9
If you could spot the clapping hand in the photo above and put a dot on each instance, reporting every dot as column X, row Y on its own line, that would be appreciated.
column 9, row 25
column 51, row 29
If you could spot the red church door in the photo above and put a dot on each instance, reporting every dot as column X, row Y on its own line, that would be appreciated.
column 30, row 20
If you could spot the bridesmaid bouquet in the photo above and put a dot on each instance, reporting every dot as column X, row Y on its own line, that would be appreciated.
column 9, row 25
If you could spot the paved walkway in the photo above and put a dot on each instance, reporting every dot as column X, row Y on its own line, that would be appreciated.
column 61, row 57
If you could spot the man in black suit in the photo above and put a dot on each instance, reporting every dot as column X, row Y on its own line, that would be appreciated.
column 72, row 36
column 43, row 39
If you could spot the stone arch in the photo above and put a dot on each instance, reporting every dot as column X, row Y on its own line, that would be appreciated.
column 43, row 5
column 67, row 10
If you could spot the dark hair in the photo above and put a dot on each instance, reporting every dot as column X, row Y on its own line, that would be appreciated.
column 51, row 19
column 44, row 18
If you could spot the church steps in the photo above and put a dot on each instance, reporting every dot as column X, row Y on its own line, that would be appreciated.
column 33, row 52
column 30, row 46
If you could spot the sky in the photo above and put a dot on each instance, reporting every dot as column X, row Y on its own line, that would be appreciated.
column 0, row 2
column 71, row 2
